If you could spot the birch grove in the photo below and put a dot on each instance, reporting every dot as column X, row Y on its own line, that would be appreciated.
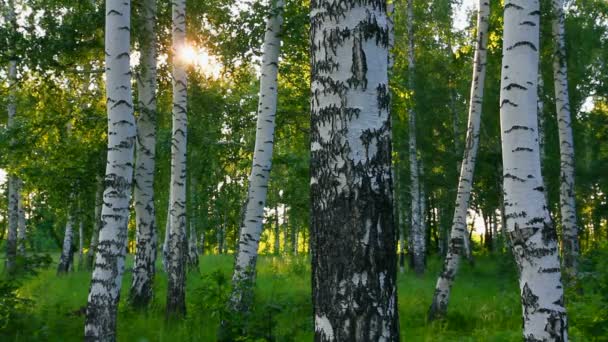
column 106, row 280
column 529, row 226
column 145, row 258
column 459, row 233
column 67, row 252
column 176, row 254
column 251, row 225
column 570, row 244
column 352, row 229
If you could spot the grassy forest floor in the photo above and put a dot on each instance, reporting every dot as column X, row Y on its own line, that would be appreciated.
column 484, row 307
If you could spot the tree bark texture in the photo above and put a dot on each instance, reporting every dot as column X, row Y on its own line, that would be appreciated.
column 100, row 322
column 417, row 237
column 176, row 256
column 251, row 226
column 67, row 252
column 529, row 226
column 459, row 233
column 570, row 242
column 142, row 284
column 353, row 235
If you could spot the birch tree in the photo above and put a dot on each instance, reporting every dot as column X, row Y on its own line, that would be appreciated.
column 353, row 235
column 251, row 225
column 21, row 225
column 100, row 321
column 417, row 238
column 67, row 252
column 176, row 256
column 529, row 226
column 459, row 232
column 142, row 284
column 14, row 182
column 96, row 222
column 570, row 244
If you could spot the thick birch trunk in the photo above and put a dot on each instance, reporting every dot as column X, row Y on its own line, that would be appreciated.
column 353, row 234
column 416, row 237
column 251, row 229
column 459, row 235
column 65, row 261
column 176, row 257
column 529, row 226
column 100, row 323
column 14, row 183
column 570, row 243
column 142, row 285
column 96, row 222
column 21, row 228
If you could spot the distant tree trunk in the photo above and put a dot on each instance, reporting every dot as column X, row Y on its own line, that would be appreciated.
column 353, row 238
column 570, row 243
column 96, row 222
column 201, row 249
column 167, row 232
column 459, row 236
column 80, row 245
column 177, row 253
column 21, row 228
column 251, row 227
column 65, row 261
column 423, row 215
column 14, row 182
column 104, row 293
column 529, row 226
column 220, row 236
column 402, row 240
column 277, row 231
column 192, row 247
column 416, row 238
column 142, row 285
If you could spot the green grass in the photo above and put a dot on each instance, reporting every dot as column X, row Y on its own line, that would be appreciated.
column 484, row 307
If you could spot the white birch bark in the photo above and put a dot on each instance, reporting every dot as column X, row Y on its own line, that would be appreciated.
column 251, row 226
column 96, row 222
column 21, row 228
column 176, row 256
column 100, row 322
column 65, row 261
column 192, row 248
column 353, row 240
column 459, row 235
column 80, row 244
column 533, row 237
column 142, row 285
column 416, row 238
column 14, row 183
column 570, row 243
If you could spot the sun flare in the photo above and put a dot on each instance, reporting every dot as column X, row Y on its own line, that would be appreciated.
column 201, row 60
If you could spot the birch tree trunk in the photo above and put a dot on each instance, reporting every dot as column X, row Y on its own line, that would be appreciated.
column 176, row 256
column 100, row 322
column 251, row 227
column 529, row 226
column 14, row 182
column 459, row 233
column 353, row 235
column 80, row 245
column 96, row 222
column 192, row 248
column 21, row 228
column 65, row 261
column 416, row 238
column 142, row 285
column 167, row 232
column 570, row 243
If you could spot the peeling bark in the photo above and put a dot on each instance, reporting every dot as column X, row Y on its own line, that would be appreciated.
column 243, row 277
column 177, row 253
column 142, row 285
column 570, row 241
column 104, row 293
column 353, row 234
column 529, row 226
column 459, row 234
